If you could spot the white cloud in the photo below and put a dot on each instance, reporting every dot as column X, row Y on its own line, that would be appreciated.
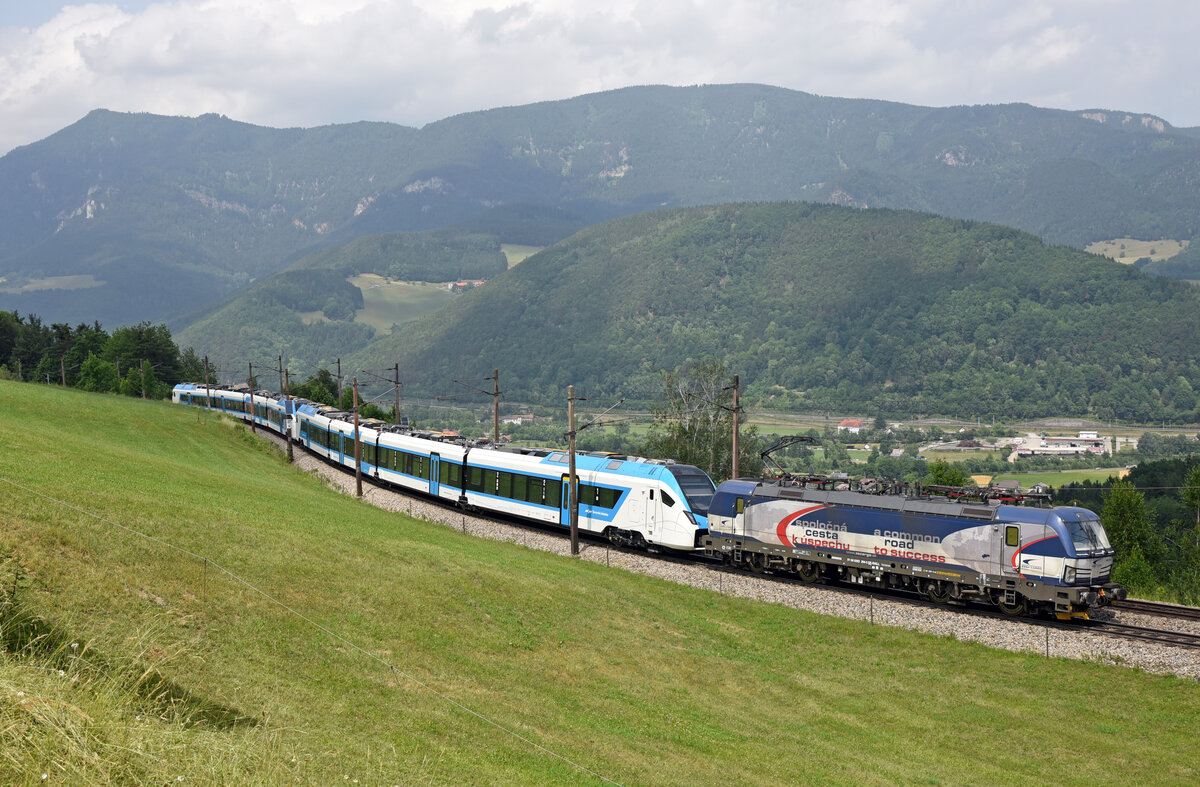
column 311, row 62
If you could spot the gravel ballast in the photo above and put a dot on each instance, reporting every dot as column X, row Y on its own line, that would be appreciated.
column 1014, row 635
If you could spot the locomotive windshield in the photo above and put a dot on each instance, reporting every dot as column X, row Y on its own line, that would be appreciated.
column 697, row 487
column 1087, row 535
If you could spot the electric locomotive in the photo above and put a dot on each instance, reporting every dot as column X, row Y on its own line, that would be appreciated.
column 1021, row 558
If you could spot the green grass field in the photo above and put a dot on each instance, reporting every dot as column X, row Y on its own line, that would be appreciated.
column 1129, row 250
column 460, row 660
column 387, row 303
column 517, row 253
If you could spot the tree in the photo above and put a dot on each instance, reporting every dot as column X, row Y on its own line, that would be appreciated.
column 98, row 375
column 1129, row 525
column 131, row 345
column 321, row 387
column 693, row 423
column 191, row 368
column 1190, row 494
column 943, row 473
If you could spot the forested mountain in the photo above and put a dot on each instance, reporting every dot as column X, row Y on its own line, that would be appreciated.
column 123, row 217
column 822, row 307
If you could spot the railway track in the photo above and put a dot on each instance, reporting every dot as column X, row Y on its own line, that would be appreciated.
column 1178, row 639
column 1132, row 633
column 1158, row 609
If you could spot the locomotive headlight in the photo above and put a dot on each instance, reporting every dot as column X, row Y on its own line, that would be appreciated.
column 1069, row 575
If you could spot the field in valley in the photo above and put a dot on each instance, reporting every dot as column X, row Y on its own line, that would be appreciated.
column 387, row 302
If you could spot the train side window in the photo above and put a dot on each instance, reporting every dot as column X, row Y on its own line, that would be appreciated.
column 741, row 505
column 1011, row 537
column 607, row 498
column 474, row 479
column 553, row 491
column 504, row 485
column 668, row 500
column 519, row 485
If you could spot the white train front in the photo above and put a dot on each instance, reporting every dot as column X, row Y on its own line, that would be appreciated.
column 628, row 500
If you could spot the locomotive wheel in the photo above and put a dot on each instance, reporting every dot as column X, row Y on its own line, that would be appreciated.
column 809, row 572
column 753, row 564
column 938, row 591
column 1012, row 609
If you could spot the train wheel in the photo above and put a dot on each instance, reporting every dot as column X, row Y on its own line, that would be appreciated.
column 1014, row 609
column 753, row 564
column 809, row 571
column 938, row 591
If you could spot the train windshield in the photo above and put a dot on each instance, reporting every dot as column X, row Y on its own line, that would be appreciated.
column 697, row 487
column 1087, row 535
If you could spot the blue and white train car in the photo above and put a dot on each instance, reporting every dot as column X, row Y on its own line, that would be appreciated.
column 628, row 500
column 265, row 408
column 1020, row 558
column 625, row 499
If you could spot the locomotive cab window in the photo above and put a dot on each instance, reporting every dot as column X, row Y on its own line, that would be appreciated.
column 1011, row 537
column 668, row 500
column 741, row 505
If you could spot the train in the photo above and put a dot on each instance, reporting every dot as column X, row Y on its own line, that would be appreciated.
column 996, row 546
column 629, row 500
column 1011, row 550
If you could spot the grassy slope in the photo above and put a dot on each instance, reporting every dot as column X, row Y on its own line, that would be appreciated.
column 640, row 680
column 387, row 303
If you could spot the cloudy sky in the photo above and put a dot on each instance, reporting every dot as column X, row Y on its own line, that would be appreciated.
column 313, row 62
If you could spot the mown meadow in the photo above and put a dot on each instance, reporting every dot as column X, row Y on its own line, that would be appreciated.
column 181, row 605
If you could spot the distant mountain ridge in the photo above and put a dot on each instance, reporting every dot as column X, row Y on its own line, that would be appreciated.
column 174, row 213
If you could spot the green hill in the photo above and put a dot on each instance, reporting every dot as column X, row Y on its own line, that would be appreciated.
column 820, row 307
column 356, row 644
column 268, row 317
column 170, row 214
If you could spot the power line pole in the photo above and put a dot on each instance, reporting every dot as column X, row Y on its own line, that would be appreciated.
column 573, row 479
column 357, row 449
column 496, row 405
column 288, row 409
column 339, row 401
column 396, row 415
column 62, row 365
column 250, row 382
column 207, row 386
column 736, row 412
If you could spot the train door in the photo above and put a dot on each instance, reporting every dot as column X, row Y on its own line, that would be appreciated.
column 1018, row 558
column 435, row 466
column 652, row 503
column 564, row 511
column 1010, row 547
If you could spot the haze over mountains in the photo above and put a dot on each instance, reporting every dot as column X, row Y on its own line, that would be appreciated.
column 123, row 218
